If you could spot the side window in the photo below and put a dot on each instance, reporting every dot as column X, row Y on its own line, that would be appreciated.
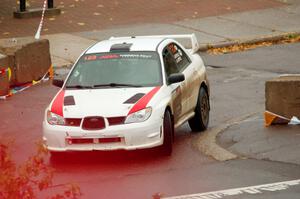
column 179, row 55
column 169, row 62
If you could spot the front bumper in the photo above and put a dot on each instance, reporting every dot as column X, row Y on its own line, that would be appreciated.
column 132, row 136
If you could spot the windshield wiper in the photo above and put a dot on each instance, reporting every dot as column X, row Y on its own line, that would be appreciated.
column 79, row 86
column 116, row 85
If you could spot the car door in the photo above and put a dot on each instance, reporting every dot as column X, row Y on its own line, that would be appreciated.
column 178, row 89
column 186, row 67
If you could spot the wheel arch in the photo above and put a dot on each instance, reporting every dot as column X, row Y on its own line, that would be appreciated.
column 206, row 87
column 168, row 108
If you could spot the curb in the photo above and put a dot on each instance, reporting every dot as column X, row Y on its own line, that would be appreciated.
column 207, row 142
column 268, row 38
column 205, row 47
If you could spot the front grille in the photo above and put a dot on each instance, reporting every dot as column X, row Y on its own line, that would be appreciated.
column 116, row 120
column 93, row 123
column 72, row 141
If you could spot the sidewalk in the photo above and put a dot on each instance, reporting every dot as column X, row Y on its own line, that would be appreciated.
column 87, row 15
column 246, row 20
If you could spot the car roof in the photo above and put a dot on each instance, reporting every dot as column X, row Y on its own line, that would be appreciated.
column 136, row 44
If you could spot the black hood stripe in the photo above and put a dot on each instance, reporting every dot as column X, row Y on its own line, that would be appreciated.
column 134, row 99
column 69, row 101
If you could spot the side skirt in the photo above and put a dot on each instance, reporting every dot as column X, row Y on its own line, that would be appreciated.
column 183, row 119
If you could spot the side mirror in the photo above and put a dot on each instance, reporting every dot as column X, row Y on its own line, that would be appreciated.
column 175, row 78
column 58, row 82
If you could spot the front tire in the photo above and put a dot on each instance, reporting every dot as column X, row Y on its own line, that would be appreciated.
column 201, row 119
column 167, row 147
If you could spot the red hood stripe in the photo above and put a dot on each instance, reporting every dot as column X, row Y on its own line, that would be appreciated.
column 57, row 105
column 142, row 103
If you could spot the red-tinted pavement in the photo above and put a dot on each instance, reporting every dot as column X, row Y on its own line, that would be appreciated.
column 105, row 175
column 88, row 15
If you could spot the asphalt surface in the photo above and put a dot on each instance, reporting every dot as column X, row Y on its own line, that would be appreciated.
column 237, row 89
column 250, row 138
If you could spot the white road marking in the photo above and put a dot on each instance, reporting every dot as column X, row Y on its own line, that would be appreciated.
column 258, row 189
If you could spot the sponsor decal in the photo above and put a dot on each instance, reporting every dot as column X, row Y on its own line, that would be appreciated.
column 69, row 101
column 117, row 56
column 58, row 102
column 134, row 98
column 142, row 103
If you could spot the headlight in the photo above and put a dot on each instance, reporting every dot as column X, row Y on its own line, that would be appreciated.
column 55, row 119
column 139, row 116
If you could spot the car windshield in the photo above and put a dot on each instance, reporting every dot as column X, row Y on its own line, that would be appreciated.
column 121, row 69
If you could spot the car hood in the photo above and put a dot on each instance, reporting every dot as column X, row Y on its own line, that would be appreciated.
column 81, row 103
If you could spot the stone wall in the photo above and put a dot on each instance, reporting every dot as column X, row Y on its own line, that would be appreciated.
column 4, row 80
column 29, row 59
column 283, row 96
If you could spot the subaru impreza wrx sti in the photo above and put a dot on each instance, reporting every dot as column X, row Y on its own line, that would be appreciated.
column 128, row 93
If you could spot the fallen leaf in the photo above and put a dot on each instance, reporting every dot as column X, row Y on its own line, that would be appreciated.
column 52, row 19
column 6, row 33
column 45, row 29
column 195, row 13
column 81, row 23
column 292, row 38
column 72, row 6
column 100, row 6
column 97, row 13
column 228, row 8
column 111, row 19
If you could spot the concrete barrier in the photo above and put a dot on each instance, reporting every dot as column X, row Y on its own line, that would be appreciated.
column 4, row 79
column 29, row 59
column 283, row 96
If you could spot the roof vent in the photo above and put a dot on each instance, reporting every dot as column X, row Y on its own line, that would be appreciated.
column 124, row 47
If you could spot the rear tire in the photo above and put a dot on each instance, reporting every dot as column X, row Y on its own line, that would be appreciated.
column 201, row 118
column 167, row 147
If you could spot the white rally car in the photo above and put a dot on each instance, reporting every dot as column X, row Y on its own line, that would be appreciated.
column 129, row 93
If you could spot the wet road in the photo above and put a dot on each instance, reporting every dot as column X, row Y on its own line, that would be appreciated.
column 236, row 91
